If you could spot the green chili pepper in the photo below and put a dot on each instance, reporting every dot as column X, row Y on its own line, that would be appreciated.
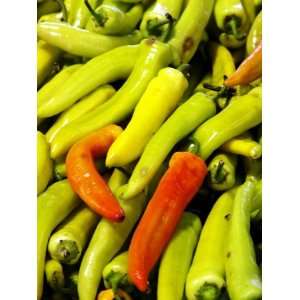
column 107, row 240
column 206, row 277
column 82, row 42
column 54, row 17
column 153, row 56
column 54, row 275
column 115, row 274
column 53, row 206
column 47, row 7
column 243, row 145
column 177, row 258
column 242, row 273
column 233, row 22
column 85, row 105
column 81, row 14
column 240, row 115
column 47, row 90
column 249, row 6
column 114, row 65
column 159, row 100
column 183, row 121
column 46, row 56
column 112, row 19
column 189, row 29
column 159, row 18
column 221, row 174
column 255, row 34
column 68, row 242
column 44, row 163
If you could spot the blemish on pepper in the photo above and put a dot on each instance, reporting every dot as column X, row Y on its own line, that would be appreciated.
column 228, row 254
column 188, row 44
column 227, row 217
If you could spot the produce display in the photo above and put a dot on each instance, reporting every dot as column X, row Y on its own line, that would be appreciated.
column 149, row 149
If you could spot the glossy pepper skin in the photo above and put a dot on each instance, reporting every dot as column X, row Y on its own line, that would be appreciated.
column 159, row 18
column 82, row 42
column 241, row 114
column 114, row 65
column 183, row 121
column 106, row 242
column 206, row 277
column 189, row 29
column 176, row 189
column 153, row 56
column 53, row 206
column 84, row 177
column 249, row 70
column 177, row 258
column 242, row 272
column 80, row 15
column 115, row 18
column 159, row 100
column 255, row 34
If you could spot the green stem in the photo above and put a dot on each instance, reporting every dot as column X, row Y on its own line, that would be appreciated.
column 100, row 18
column 154, row 26
column 219, row 175
column 193, row 146
column 232, row 27
column 63, row 8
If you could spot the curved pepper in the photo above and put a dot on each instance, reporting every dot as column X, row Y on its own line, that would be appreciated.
column 153, row 56
column 159, row 100
column 85, row 105
column 249, row 70
column 106, row 242
column 255, row 34
column 241, row 114
column 189, row 29
column 177, row 258
column 84, row 178
column 242, row 272
column 53, row 206
column 159, row 18
column 176, row 189
column 221, row 172
column 114, row 65
column 111, row 18
column 183, row 121
column 82, row 42
column 206, row 277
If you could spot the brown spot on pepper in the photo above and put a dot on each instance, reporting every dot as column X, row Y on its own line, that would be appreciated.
column 188, row 44
column 227, row 217
column 228, row 254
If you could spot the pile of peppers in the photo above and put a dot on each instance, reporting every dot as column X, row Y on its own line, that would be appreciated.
column 149, row 149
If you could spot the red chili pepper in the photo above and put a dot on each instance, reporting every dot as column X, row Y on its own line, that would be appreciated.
column 176, row 189
column 84, row 177
column 249, row 70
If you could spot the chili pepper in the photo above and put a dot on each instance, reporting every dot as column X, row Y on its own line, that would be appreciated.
column 183, row 121
column 46, row 56
column 85, row 105
column 81, row 14
column 115, row 273
column 47, row 7
column 68, row 242
column 54, row 275
column 84, row 178
column 159, row 18
column 206, row 277
column 53, row 206
column 240, row 115
column 54, row 17
column 177, row 258
column 153, row 56
column 249, row 6
column 176, row 189
column 249, row 70
column 233, row 22
column 207, row 78
column 255, row 34
column 111, row 295
column 44, row 163
column 243, row 145
column 106, row 241
column 158, row 101
column 111, row 18
column 242, row 273
column 47, row 90
column 82, row 42
column 221, row 172
column 189, row 29
column 114, row 65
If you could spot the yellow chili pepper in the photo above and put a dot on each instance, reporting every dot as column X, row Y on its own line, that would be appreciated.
column 110, row 295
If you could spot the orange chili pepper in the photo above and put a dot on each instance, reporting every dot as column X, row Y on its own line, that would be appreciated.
column 84, row 177
column 176, row 189
column 249, row 70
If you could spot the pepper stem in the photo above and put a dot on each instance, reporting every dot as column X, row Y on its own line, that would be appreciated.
column 100, row 18
column 233, row 27
column 193, row 146
column 218, row 174
column 222, row 91
column 154, row 26
column 63, row 8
